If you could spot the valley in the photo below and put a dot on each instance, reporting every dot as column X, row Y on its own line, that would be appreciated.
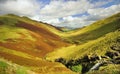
column 31, row 47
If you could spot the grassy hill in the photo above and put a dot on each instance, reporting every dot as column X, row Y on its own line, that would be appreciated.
column 21, row 33
column 29, row 45
column 25, row 42
column 98, row 40
column 6, row 67
column 99, row 46
column 95, row 30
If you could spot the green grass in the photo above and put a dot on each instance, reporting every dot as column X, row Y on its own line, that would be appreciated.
column 110, row 69
column 95, row 30
column 9, row 32
column 7, row 67
column 3, row 64
column 21, row 71
column 77, row 68
column 98, row 46
column 93, row 39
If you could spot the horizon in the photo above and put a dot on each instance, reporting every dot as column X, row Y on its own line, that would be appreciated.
column 62, row 13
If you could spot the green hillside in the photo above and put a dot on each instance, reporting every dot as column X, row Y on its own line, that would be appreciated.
column 25, row 42
column 95, row 30
column 99, row 40
column 6, row 67
column 31, row 47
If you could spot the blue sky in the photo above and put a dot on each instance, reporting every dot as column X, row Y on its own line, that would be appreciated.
column 70, row 13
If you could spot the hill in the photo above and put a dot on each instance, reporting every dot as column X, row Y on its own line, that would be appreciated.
column 25, row 42
column 91, row 45
column 20, row 33
column 94, row 31
column 41, row 48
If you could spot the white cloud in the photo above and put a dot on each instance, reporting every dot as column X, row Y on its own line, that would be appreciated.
column 53, row 21
column 56, row 9
column 59, row 8
column 94, row 14
column 20, row 7
column 99, row 13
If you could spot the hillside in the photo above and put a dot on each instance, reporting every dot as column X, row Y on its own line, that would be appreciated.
column 95, row 43
column 25, row 42
column 94, row 31
column 40, row 48
column 105, row 49
column 7, row 67
column 23, row 34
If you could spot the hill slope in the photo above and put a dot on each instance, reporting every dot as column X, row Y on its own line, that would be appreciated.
column 95, row 43
column 95, row 30
column 26, row 42
column 23, row 34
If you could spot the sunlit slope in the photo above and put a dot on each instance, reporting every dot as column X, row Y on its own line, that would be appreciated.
column 28, row 64
column 95, row 30
column 99, row 46
column 25, row 42
column 6, row 67
column 23, row 34
column 46, row 26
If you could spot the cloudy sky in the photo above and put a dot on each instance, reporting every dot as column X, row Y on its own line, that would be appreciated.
column 69, row 13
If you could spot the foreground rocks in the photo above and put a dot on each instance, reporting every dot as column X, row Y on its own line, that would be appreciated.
column 94, row 61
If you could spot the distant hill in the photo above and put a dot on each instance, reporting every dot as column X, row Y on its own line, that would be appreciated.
column 95, row 30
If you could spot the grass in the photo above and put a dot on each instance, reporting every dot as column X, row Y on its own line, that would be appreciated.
column 77, row 68
column 21, row 71
column 26, row 34
column 6, row 67
column 14, row 33
column 98, row 46
column 94, row 31
column 14, row 52
column 110, row 69
column 3, row 64
column 94, row 39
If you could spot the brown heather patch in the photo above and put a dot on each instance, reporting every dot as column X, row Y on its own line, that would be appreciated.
column 37, row 29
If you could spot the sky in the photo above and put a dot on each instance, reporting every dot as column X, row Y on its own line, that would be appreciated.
column 63, row 13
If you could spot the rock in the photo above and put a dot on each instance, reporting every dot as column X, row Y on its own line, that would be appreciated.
column 96, row 66
column 61, row 60
column 115, row 47
column 94, row 58
column 85, row 59
column 116, row 60
column 111, row 54
column 118, row 40
column 70, row 63
column 104, row 57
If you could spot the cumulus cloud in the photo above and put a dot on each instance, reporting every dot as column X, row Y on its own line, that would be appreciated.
column 59, row 8
column 94, row 15
column 19, row 7
column 62, row 12
column 99, row 13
